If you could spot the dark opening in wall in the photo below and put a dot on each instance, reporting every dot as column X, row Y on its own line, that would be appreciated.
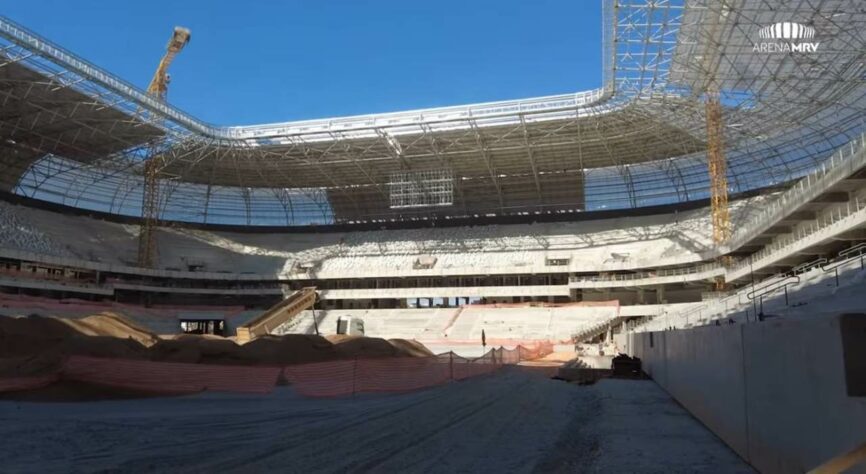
column 853, row 328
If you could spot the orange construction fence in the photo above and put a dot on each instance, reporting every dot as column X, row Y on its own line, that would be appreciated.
column 348, row 377
column 321, row 379
column 15, row 384
column 169, row 377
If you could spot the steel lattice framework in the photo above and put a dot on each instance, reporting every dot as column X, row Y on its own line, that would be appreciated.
column 73, row 133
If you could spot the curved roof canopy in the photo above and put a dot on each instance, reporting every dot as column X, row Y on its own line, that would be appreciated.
column 73, row 133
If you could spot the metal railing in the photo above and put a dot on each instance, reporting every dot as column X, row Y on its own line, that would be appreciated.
column 841, row 164
column 805, row 267
column 773, row 286
column 848, row 159
column 801, row 232
column 770, row 285
column 857, row 251
column 640, row 275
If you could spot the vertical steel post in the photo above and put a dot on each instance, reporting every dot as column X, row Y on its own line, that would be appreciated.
column 451, row 365
column 354, row 374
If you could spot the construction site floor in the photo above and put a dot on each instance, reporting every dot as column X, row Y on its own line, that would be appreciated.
column 514, row 421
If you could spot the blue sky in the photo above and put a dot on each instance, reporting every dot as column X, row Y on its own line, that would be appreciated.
column 257, row 62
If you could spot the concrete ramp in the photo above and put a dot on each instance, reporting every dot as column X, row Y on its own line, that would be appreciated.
column 280, row 313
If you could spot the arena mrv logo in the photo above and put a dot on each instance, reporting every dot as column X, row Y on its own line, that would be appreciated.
column 786, row 37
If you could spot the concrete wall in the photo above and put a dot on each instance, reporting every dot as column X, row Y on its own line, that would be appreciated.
column 775, row 392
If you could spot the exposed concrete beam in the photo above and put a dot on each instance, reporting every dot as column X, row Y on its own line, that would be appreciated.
column 792, row 261
column 857, row 234
column 760, row 240
column 778, row 229
column 817, row 250
column 858, row 175
column 800, row 216
column 849, row 185
column 744, row 252
column 832, row 197
column 766, row 271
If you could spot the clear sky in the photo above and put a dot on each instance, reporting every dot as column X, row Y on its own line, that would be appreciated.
column 267, row 61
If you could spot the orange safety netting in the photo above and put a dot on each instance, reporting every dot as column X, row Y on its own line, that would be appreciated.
column 339, row 378
column 321, row 379
column 14, row 384
column 169, row 377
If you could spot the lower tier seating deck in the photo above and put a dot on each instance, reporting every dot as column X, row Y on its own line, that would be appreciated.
column 463, row 325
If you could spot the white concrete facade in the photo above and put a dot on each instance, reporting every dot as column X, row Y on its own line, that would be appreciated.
column 774, row 391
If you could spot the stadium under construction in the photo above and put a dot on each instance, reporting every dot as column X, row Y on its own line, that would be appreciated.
column 702, row 213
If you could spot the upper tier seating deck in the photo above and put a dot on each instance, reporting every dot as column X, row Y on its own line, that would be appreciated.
column 17, row 233
column 593, row 245
column 160, row 319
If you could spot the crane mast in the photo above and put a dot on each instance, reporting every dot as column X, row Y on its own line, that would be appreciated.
column 718, row 168
column 717, row 164
column 154, row 163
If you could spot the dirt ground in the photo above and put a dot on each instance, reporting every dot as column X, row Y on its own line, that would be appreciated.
column 514, row 421
column 36, row 345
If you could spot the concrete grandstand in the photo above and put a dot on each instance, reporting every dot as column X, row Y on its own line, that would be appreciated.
column 578, row 221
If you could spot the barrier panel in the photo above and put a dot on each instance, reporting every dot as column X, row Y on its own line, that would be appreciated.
column 170, row 377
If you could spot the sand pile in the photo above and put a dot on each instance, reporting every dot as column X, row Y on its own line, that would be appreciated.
column 354, row 346
column 112, row 325
column 35, row 345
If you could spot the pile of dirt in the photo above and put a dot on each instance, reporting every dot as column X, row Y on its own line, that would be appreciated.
column 356, row 346
column 411, row 348
column 37, row 345
column 112, row 325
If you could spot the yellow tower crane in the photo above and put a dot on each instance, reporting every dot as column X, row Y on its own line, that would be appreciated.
column 717, row 163
column 718, row 167
column 158, row 87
